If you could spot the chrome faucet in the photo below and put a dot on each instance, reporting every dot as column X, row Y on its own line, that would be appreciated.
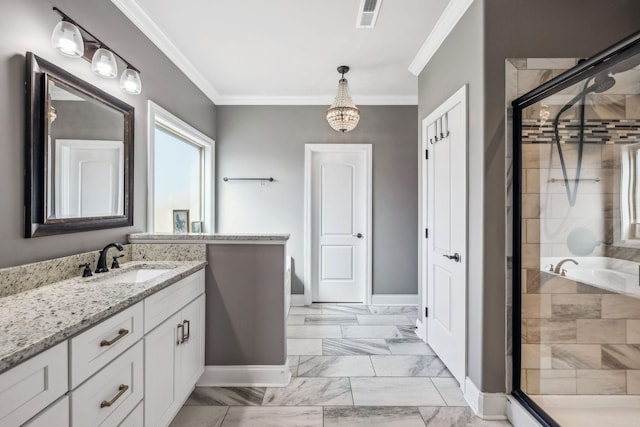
column 102, row 260
column 559, row 269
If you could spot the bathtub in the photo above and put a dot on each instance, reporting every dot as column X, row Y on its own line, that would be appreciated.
column 591, row 411
column 611, row 274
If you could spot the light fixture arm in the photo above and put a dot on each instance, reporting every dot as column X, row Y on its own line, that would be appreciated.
column 95, row 42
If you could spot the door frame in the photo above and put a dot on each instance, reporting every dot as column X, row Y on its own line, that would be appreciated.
column 309, row 151
column 459, row 97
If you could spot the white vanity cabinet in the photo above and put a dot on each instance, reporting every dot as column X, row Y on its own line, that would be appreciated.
column 133, row 369
column 174, row 350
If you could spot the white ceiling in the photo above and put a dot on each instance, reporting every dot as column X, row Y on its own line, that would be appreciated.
column 287, row 51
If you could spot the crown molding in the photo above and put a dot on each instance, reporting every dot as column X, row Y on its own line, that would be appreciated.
column 315, row 100
column 132, row 10
column 447, row 21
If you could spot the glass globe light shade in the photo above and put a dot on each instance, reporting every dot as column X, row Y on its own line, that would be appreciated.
column 67, row 39
column 104, row 64
column 130, row 82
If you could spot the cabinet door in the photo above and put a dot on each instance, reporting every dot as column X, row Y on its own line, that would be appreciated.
column 160, row 362
column 191, row 350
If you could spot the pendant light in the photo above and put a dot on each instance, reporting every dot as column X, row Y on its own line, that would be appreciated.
column 67, row 39
column 104, row 64
column 343, row 115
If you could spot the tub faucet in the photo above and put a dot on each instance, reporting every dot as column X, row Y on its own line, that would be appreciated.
column 102, row 260
column 559, row 269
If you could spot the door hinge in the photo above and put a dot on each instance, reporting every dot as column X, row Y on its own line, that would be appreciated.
column 426, row 154
column 426, row 312
column 426, row 233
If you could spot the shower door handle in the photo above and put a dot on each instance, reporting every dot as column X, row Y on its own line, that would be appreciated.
column 455, row 257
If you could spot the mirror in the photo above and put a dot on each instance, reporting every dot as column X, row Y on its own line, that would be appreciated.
column 79, row 154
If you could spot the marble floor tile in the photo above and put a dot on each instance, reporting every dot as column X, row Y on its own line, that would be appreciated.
column 295, row 319
column 293, row 365
column 368, row 416
column 320, row 331
column 384, row 331
column 273, row 417
column 393, row 309
column 200, row 416
column 395, row 392
column 458, row 417
column 409, row 366
column 304, row 346
column 450, row 391
column 407, row 331
column 345, row 308
column 384, row 319
column 341, row 347
column 310, row 392
column 306, row 309
column 335, row 366
column 409, row 346
column 330, row 319
column 226, row 396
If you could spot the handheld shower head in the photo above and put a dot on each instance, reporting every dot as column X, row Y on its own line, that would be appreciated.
column 602, row 83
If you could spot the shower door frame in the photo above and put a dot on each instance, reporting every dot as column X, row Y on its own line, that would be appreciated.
column 625, row 48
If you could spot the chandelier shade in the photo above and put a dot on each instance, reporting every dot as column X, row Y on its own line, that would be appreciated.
column 343, row 115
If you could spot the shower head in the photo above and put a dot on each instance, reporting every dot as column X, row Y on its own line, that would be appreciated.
column 602, row 83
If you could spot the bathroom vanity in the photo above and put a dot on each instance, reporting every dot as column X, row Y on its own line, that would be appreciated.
column 88, row 351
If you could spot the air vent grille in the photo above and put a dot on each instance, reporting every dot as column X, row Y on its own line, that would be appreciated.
column 368, row 13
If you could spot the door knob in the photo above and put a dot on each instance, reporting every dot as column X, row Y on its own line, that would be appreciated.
column 455, row 257
column 359, row 235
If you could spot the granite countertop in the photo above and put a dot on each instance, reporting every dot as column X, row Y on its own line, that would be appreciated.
column 35, row 320
column 207, row 238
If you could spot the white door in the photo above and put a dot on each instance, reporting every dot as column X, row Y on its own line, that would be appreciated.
column 87, row 180
column 339, row 222
column 445, row 139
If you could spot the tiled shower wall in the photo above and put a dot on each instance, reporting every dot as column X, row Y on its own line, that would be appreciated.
column 577, row 339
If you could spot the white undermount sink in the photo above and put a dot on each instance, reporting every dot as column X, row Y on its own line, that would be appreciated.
column 138, row 275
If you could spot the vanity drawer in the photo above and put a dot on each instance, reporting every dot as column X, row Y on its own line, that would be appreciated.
column 163, row 304
column 31, row 386
column 94, row 348
column 109, row 396
column 56, row 415
column 135, row 418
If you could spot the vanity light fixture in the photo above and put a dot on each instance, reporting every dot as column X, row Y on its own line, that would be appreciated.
column 343, row 115
column 72, row 40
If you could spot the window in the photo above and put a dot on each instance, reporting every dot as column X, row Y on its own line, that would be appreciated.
column 181, row 163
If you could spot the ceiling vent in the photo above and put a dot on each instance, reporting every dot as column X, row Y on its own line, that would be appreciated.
column 368, row 13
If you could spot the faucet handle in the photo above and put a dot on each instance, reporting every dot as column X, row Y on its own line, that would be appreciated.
column 87, row 270
column 551, row 268
column 115, row 263
column 563, row 272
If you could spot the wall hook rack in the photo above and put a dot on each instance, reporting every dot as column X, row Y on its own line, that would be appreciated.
column 227, row 179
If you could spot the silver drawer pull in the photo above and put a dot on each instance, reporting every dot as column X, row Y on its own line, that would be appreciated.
column 122, row 389
column 121, row 333
column 188, row 335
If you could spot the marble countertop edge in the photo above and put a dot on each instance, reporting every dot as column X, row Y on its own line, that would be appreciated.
column 208, row 238
column 40, row 327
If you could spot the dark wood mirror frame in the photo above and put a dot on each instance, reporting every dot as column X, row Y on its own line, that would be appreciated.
column 36, row 223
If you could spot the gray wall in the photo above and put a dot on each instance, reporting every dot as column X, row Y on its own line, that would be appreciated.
column 474, row 53
column 270, row 140
column 26, row 25
column 245, row 306
column 459, row 61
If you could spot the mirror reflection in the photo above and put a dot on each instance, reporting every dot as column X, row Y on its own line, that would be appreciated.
column 85, row 151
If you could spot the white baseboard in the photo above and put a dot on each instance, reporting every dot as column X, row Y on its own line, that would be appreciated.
column 298, row 299
column 518, row 416
column 246, row 376
column 488, row 406
column 394, row 299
